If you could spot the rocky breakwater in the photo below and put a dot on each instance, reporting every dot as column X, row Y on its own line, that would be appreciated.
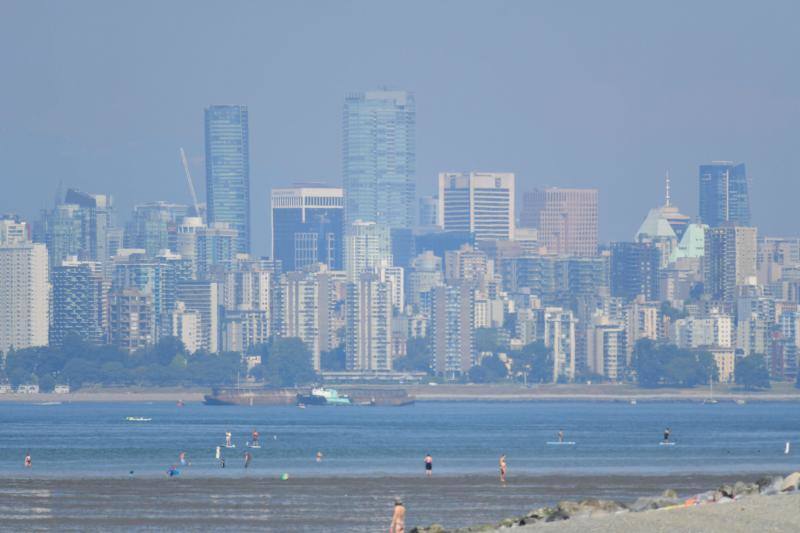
column 669, row 499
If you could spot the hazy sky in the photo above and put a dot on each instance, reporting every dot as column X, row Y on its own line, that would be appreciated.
column 100, row 95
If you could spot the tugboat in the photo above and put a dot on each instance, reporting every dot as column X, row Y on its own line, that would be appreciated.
column 322, row 396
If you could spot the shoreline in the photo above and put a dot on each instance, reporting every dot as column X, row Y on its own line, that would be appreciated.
column 783, row 392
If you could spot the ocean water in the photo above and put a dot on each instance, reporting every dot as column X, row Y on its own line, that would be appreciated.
column 91, row 440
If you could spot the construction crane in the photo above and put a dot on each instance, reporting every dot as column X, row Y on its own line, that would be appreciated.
column 191, row 183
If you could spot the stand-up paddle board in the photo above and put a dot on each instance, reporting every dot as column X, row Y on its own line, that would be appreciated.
column 230, row 446
column 662, row 443
column 254, row 446
column 564, row 443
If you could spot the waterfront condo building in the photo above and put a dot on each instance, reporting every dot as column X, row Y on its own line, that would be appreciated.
column 368, row 341
column 378, row 158
column 308, row 227
column 479, row 202
column 228, row 170
column 79, row 302
column 24, row 296
column 566, row 219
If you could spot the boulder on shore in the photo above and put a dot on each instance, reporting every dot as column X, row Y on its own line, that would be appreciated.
column 790, row 482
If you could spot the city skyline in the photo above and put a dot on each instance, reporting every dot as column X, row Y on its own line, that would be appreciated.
column 619, row 139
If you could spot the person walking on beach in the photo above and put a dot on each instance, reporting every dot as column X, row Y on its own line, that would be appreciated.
column 503, row 468
column 28, row 460
column 667, row 433
column 428, row 465
column 398, row 518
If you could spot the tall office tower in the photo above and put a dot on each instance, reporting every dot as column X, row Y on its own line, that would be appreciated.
column 97, row 218
column 368, row 341
column 79, row 302
column 300, row 301
column 24, row 296
column 452, row 328
column 153, row 226
column 428, row 214
column 131, row 321
column 308, row 227
column 478, row 202
column 566, row 219
column 228, row 170
column 13, row 230
column 724, row 194
column 379, row 158
column 202, row 296
column 367, row 247
column 730, row 261
column 634, row 270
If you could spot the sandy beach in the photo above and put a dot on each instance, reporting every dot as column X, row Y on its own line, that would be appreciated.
column 778, row 514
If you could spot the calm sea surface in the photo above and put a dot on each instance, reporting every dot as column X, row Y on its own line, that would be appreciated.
column 71, row 440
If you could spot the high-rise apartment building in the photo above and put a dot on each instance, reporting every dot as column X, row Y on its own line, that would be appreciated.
column 367, row 247
column 153, row 226
column 566, row 219
column 478, row 202
column 724, row 194
column 308, row 227
column 132, row 323
column 368, row 341
column 13, row 230
column 202, row 297
column 730, row 261
column 228, row 170
column 300, row 302
column 24, row 296
column 79, row 302
column 428, row 214
column 452, row 328
column 379, row 158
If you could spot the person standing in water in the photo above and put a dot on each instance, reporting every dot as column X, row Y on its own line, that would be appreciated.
column 247, row 459
column 667, row 433
column 503, row 468
column 255, row 438
column 28, row 460
column 561, row 436
column 182, row 458
column 228, row 439
column 428, row 465
column 398, row 518
column 319, row 457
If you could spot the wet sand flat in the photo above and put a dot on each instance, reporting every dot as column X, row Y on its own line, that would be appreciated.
column 303, row 503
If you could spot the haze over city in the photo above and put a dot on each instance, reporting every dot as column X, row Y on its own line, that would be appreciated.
column 610, row 95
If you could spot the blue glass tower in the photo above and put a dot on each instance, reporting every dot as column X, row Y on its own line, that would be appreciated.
column 724, row 194
column 228, row 170
column 379, row 158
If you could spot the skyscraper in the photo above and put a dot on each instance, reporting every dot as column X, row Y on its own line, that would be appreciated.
column 379, row 158
column 452, row 328
column 479, row 202
column 228, row 170
column 24, row 296
column 566, row 219
column 308, row 227
column 724, row 194
column 634, row 270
